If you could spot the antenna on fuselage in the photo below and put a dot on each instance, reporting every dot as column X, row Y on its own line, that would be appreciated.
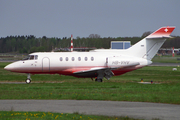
column 71, row 43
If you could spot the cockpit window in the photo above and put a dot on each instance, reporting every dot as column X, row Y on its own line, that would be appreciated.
column 26, row 58
column 31, row 57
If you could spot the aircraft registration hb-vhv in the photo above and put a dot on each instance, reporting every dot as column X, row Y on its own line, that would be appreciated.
column 96, row 64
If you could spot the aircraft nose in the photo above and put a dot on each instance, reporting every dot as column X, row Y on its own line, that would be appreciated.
column 9, row 67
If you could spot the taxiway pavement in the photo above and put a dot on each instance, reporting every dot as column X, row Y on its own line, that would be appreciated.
column 141, row 110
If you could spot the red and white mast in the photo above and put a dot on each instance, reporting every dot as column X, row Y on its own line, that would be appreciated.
column 71, row 43
column 173, row 52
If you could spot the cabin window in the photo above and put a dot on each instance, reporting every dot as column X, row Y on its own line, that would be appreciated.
column 66, row 58
column 92, row 58
column 72, row 58
column 79, row 58
column 85, row 58
column 61, row 59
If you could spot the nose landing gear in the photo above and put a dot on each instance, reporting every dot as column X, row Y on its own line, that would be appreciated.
column 28, row 80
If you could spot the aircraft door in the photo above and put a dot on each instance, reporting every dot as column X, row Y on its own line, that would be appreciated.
column 107, row 61
column 46, row 64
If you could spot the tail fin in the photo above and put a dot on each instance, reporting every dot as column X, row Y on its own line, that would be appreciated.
column 148, row 47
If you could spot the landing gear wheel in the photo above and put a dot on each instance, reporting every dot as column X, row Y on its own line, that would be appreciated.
column 98, row 80
column 28, row 81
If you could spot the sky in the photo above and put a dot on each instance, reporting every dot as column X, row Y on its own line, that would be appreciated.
column 107, row 18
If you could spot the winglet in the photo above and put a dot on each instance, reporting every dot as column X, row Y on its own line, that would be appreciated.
column 163, row 32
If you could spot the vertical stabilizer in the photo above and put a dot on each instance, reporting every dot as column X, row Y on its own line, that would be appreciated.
column 148, row 47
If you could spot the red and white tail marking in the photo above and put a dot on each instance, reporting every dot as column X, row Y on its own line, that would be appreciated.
column 162, row 32
column 148, row 47
column 71, row 43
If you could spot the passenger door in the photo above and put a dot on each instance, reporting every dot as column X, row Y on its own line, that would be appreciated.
column 46, row 64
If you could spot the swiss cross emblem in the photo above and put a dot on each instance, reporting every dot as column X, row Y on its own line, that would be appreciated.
column 166, row 30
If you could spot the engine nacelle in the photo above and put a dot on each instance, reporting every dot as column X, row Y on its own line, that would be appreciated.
column 118, row 62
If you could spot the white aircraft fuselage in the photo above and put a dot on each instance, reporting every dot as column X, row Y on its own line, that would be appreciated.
column 72, row 63
column 96, row 63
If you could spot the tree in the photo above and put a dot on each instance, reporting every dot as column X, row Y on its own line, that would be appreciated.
column 145, row 34
column 13, row 44
column 94, row 36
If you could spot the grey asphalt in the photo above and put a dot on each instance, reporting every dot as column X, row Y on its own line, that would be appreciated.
column 139, row 110
column 165, row 64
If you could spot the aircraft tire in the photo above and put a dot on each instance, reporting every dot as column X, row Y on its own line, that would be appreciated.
column 99, row 80
column 28, row 81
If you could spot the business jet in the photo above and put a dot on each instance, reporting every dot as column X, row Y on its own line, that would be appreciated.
column 96, row 64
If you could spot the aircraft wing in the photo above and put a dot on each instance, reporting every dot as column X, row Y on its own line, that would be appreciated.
column 92, row 69
column 92, row 72
column 101, row 71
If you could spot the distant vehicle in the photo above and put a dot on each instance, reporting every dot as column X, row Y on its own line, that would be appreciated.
column 178, row 53
column 96, row 64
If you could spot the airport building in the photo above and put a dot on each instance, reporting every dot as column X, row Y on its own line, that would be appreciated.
column 120, row 44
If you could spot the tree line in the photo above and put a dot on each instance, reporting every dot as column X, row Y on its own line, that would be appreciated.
column 30, row 43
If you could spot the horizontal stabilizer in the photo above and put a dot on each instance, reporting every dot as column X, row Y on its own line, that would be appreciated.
column 159, row 37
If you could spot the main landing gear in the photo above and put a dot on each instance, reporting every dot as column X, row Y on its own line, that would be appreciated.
column 28, row 80
column 98, row 80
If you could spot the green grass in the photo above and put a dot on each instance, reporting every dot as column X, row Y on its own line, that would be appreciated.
column 166, row 59
column 158, row 93
column 11, row 115
column 118, row 88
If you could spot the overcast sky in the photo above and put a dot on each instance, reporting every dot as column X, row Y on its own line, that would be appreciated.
column 108, row 18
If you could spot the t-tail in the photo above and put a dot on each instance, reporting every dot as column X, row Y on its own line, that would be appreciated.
column 148, row 47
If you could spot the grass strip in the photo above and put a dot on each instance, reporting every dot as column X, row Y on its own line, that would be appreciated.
column 12, row 115
column 118, row 88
